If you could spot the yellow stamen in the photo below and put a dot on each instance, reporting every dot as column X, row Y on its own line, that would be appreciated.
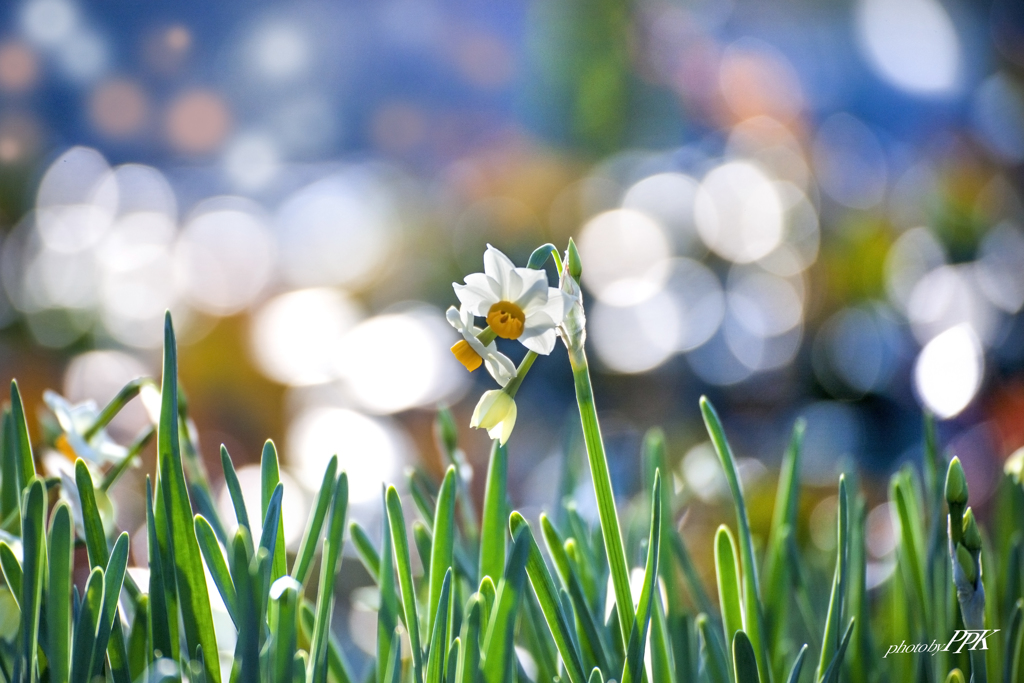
column 506, row 319
column 64, row 446
column 466, row 355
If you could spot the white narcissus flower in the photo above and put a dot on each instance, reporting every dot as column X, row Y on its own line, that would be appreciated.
column 472, row 352
column 495, row 412
column 517, row 302
column 74, row 420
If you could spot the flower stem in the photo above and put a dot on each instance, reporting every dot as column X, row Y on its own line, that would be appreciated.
column 524, row 367
column 127, row 393
column 603, row 489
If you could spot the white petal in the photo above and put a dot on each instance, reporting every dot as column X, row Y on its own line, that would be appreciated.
column 514, row 286
column 477, row 295
column 539, row 340
column 61, row 408
column 535, row 289
column 498, row 266
column 557, row 305
column 454, row 318
column 502, row 369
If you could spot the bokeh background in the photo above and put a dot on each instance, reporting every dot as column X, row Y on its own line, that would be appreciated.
column 796, row 207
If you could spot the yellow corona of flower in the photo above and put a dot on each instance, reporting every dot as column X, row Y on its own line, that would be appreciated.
column 473, row 353
column 517, row 302
column 495, row 412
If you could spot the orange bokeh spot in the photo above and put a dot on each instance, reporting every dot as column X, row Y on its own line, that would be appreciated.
column 19, row 67
column 198, row 121
column 118, row 108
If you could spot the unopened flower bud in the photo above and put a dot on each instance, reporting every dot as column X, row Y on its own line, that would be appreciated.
column 972, row 535
column 956, row 484
column 572, row 257
column 495, row 412
column 966, row 562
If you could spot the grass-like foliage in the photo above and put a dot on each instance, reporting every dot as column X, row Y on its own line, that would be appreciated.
column 622, row 601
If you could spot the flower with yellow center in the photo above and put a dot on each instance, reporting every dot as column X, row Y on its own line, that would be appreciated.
column 473, row 353
column 74, row 421
column 495, row 412
column 517, row 302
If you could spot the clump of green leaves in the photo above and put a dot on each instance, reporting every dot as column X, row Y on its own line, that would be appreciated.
column 497, row 600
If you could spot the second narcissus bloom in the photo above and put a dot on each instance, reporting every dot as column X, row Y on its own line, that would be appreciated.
column 517, row 302
column 495, row 412
column 472, row 352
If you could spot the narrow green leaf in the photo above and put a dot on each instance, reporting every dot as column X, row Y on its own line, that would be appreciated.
column 89, row 616
column 99, row 555
column 196, row 614
column 33, row 539
column 113, row 580
column 596, row 676
column 403, row 564
column 787, row 499
column 138, row 638
column 270, row 477
column 421, row 537
column 492, row 528
column 662, row 660
column 955, row 676
column 26, row 465
column 753, row 614
column 162, row 630
column 712, row 654
column 489, row 595
column 727, row 571
column 832, row 672
column 393, row 672
column 443, row 544
column 215, row 562
column 830, row 640
column 446, row 434
column 234, row 488
column 1013, row 667
column 469, row 660
column 633, row 668
column 95, row 536
column 284, row 602
column 10, row 491
column 13, row 573
column 498, row 653
column 247, row 648
column 798, row 664
column 591, row 636
column 911, row 544
column 437, row 654
column 338, row 669
column 314, row 525
column 798, row 582
column 743, row 661
column 331, row 559
column 451, row 669
column 544, row 588
column 388, row 612
column 270, row 536
column 58, row 592
column 364, row 548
